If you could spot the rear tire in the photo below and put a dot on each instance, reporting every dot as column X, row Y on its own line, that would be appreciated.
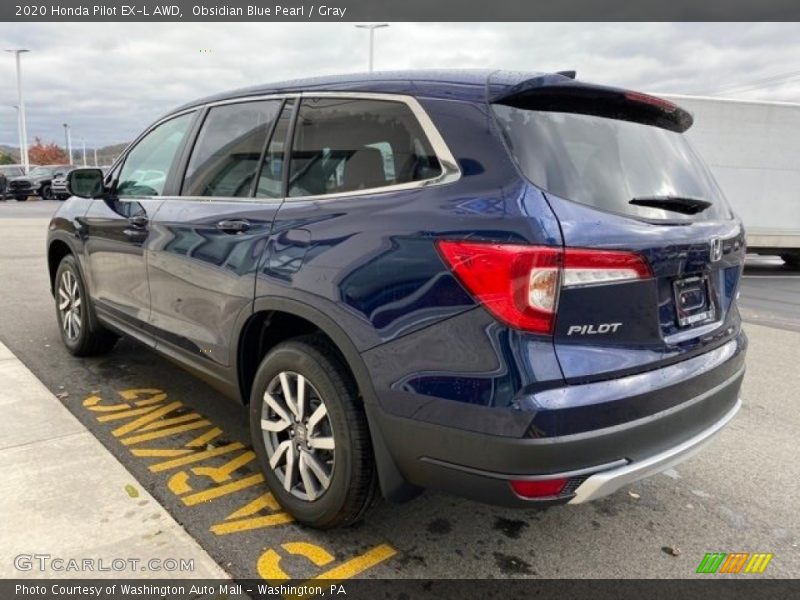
column 331, row 478
column 21, row 198
column 47, row 192
column 80, row 332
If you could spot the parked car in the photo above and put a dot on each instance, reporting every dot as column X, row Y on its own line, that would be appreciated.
column 519, row 288
column 7, row 172
column 58, row 187
column 37, row 182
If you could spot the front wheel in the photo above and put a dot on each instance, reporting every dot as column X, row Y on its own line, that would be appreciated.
column 310, row 434
column 80, row 334
column 47, row 192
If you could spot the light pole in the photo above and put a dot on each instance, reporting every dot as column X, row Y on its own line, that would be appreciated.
column 372, row 29
column 95, row 156
column 83, row 143
column 68, row 140
column 23, row 133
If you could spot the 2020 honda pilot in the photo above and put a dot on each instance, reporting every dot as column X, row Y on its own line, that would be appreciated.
column 516, row 287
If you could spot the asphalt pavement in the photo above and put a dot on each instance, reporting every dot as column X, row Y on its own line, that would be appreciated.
column 189, row 448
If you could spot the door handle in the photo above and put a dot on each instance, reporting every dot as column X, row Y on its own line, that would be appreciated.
column 234, row 226
column 139, row 221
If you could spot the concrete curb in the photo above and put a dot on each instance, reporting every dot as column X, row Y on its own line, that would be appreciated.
column 64, row 495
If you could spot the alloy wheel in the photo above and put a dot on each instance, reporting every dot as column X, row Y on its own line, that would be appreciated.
column 69, row 305
column 298, row 435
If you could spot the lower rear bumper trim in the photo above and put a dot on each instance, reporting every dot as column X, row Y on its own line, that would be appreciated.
column 607, row 482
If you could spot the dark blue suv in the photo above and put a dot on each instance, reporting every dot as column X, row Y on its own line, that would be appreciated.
column 515, row 287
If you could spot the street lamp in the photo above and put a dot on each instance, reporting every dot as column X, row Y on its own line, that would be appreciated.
column 372, row 29
column 23, row 133
column 83, row 142
column 68, row 141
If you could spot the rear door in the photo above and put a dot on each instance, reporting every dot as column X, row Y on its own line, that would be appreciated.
column 208, row 240
column 118, row 228
column 622, row 177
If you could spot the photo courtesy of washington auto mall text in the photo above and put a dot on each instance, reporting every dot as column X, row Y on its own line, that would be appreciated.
column 438, row 300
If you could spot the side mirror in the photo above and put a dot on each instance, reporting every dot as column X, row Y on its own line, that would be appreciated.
column 85, row 183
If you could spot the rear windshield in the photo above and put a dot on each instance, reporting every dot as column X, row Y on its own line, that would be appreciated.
column 606, row 163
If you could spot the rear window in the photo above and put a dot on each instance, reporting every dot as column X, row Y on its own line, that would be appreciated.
column 605, row 163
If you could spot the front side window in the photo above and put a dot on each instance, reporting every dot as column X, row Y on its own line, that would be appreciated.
column 226, row 155
column 344, row 145
column 147, row 165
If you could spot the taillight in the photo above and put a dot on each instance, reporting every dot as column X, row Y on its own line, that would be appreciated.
column 586, row 267
column 542, row 488
column 520, row 284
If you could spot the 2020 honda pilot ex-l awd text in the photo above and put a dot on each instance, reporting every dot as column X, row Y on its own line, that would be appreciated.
column 515, row 287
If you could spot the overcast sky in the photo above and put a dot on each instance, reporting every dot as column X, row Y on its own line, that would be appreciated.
column 109, row 80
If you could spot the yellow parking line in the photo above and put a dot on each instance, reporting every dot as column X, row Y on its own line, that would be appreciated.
column 194, row 457
column 142, row 421
column 154, row 435
column 124, row 414
column 249, row 523
column 359, row 564
column 165, row 452
column 173, row 421
column 203, row 439
column 223, row 490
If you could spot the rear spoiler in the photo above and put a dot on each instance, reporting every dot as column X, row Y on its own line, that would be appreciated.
column 560, row 92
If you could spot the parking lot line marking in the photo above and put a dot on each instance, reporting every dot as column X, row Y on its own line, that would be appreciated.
column 223, row 490
column 359, row 564
column 178, row 484
column 124, row 414
column 249, row 523
column 148, row 418
column 194, row 457
column 154, row 435
column 93, row 404
column 263, row 501
column 316, row 554
column 161, row 452
column 223, row 473
column 269, row 568
column 203, row 439
column 172, row 421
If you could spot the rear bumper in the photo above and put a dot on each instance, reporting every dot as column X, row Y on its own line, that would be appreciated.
column 607, row 482
column 480, row 465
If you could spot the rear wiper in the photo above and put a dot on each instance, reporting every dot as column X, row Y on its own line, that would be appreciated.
column 681, row 204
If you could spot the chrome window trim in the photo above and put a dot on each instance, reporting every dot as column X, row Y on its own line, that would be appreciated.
column 451, row 172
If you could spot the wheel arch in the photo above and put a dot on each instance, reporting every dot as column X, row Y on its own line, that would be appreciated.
column 393, row 485
column 57, row 249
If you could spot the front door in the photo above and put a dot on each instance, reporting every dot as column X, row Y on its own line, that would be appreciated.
column 118, row 228
column 208, row 240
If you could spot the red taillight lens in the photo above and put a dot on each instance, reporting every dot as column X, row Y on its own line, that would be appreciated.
column 539, row 489
column 517, row 284
column 520, row 284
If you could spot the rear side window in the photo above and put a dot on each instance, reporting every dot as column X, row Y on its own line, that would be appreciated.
column 147, row 165
column 344, row 145
column 228, row 149
column 607, row 163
